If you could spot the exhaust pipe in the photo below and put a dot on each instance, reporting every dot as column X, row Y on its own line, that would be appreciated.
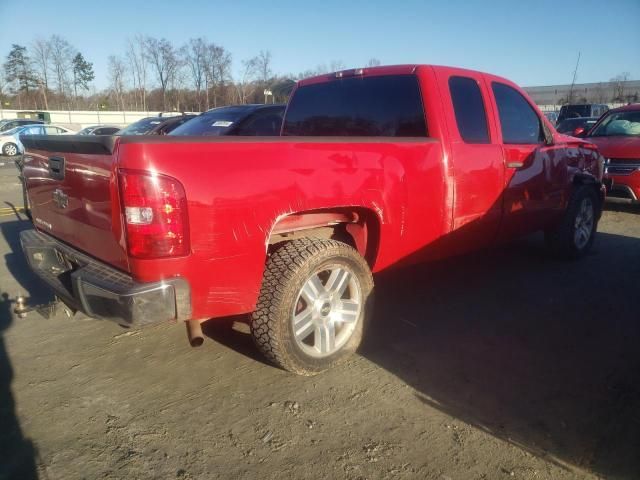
column 194, row 333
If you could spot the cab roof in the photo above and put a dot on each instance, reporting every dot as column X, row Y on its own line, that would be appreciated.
column 406, row 69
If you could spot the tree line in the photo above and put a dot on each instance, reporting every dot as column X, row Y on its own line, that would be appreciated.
column 153, row 74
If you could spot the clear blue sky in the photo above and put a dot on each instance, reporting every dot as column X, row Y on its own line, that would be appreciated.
column 532, row 43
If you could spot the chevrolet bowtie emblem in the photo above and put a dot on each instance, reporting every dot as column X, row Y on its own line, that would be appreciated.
column 60, row 198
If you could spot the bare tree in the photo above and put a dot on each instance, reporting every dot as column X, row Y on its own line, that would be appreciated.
column 598, row 94
column 41, row 54
column 61, row 54
column 336, row 65
column 245, row 85
column 194, row 54
column 263, row 65
column 117, row 72
column 217, row 63
column 164, row 61
column 618, row 83
column 138, row 61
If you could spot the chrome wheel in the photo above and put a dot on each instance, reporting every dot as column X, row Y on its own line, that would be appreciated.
column 10, row 150
column 327, row 311
column 583, row 226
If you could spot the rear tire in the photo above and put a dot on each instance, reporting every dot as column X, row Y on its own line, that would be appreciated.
column 574, row 236
column 315, row 299
column 10, row 149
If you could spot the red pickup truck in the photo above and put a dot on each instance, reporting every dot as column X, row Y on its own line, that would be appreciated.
column 374, row 168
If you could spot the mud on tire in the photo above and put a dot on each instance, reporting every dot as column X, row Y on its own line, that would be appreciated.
column 315, row 299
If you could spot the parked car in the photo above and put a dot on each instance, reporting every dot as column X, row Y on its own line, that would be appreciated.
column 582, row 110
column 10, row 123
column 576, row 127
column 376, row 167
column 246, row 120
column 141, row 127
column 154, row 125
column 10, row 141
column 99, row 130
column 170, row 124
column 617, row 135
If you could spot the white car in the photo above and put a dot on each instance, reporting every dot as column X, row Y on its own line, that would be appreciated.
column 10, row 144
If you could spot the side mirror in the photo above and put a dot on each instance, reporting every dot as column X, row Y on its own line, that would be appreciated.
column 579, row 132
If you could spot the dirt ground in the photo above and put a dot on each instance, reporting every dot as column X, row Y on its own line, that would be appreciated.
column 501, row 364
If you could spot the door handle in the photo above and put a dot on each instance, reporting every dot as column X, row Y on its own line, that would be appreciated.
column 515, row 164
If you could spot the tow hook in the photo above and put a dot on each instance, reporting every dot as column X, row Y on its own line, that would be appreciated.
column 47, row 310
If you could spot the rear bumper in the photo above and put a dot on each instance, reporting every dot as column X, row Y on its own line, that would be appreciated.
column 101, row 291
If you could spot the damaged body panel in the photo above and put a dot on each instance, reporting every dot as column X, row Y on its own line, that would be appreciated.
column 398, row 199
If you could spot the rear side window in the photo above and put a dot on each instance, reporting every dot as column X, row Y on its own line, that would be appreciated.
column 518, row 120
column 216, row 122
column 469, row 109
column 32, row 131
column 383, row 106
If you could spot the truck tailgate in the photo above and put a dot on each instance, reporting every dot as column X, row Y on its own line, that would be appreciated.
column 72, row 188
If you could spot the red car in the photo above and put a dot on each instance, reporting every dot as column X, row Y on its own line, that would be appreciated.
column 617, row 136
column 374, row 168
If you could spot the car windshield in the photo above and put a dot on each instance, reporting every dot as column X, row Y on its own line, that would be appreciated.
column 86, row 131
column 213, row 123
column 141, row 126
column 617, row 124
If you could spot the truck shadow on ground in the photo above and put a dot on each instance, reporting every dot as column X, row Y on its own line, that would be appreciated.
column 17, row 453
column 30, row 285
column 537, row 352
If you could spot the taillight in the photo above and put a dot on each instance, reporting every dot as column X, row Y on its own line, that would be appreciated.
column 155, row 215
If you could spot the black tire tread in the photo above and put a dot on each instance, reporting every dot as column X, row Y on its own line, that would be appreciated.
column 281, row 268
column 560, row 240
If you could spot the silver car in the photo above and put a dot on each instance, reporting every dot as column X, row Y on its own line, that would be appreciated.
column 10, row 144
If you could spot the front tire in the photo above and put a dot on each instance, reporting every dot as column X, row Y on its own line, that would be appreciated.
column 574, row 236
column 315, row 299
column 10, row 149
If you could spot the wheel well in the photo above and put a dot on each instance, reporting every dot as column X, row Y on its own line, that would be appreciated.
column 580, row 180
column 357, row 227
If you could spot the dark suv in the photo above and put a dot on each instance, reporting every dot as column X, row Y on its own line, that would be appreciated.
column 582, row 110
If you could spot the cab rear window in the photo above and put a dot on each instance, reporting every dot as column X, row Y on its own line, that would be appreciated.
column 381, row 106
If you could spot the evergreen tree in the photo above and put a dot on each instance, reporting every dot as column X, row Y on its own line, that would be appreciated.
column 82, row 73
column 18, row 70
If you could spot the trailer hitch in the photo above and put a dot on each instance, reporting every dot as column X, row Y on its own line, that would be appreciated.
column 47, row 310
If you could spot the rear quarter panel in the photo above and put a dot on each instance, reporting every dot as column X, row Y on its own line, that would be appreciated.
column 237, row 189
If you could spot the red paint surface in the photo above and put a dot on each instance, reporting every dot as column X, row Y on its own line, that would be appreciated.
column 623, row 150
column 423, row 198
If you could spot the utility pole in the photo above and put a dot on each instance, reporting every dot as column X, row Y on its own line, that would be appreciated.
column 573, row 82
